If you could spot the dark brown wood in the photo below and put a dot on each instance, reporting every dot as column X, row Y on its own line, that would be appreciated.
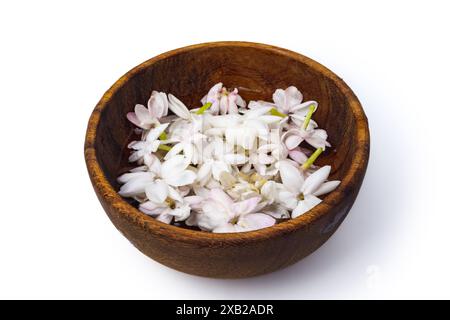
column 256, row 70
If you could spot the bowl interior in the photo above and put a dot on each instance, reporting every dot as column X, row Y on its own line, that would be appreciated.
column 255, row 70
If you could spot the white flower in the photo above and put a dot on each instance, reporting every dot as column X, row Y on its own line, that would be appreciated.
column 217, row 158
column 152, row 163
column 147, row 118
column 260, row 104
column 289, row 101
column 178, row 107
column 246, row 187
column 265, row 159
column 252, row 125
column 190, row 145
column 174, row 173
column 134, row 183
column 315, row 137
column 187, row 138
column 243, row 190
column 164, row 200
column 185, row 132
column 277, row 211
column 172, row 207
column 222, row 100
column 271, row 190
column 302, row 194
column 221, row 214
column 299, row 155
column 146, row 147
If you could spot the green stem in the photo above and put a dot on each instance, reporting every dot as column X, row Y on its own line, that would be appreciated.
column 308, row 116
column 163, row 136
column 275, row 112
column 205, row 107
column 312, row 158
column 164, row 147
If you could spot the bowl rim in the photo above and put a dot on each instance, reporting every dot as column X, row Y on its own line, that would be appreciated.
column 352, row 178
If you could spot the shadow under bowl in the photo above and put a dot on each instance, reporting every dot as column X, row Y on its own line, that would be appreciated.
column 256, row 70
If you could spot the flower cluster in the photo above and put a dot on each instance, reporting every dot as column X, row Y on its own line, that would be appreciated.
column 227, row 166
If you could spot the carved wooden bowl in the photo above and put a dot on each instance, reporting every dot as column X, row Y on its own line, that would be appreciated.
column 256, row 70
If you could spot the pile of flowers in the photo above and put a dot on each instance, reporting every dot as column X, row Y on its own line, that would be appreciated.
column 226, row 166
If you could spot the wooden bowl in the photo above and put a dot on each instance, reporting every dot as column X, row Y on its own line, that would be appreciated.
column 256, row 70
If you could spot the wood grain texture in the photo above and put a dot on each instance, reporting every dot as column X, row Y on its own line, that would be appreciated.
column 256, row 70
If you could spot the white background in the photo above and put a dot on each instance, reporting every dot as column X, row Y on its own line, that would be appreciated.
column 58, row 58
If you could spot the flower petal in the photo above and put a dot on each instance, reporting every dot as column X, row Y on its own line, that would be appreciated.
column 235, row 159
column 190, row 154
column 288, row 199
column 225, row 228
column 269, row 191
column 245, row 206
column 298, row 156
column 153, row 163
column 232, row 106
column 154, row 134
column 261, row 127
column 318, row 139
column 315, row 180
column 255, row 221
column 279, row 97
column 243, row 136
column 175, row 194
column 223, row 106
column 131, row 116
column 268, row 119
column 213, row 93
column 178, row 107
column 136, row 145
column 305, row 205
column 298, row 120
column 174, row 166
column 152, row 209
column 292, row 138
column 139, row 169
column 293, row 141
column 215, row 132
column 181, row 213
column 176, row 149
column 157, row 191
column 302, row 109
column 291, row 177
column 327, row 187
column 224, row 121
column 214, row 215
column 293, row 96
column 227, row 180
column 135, row 156
column 204, row 172
column 181, row 179
column 218, row 167
column 219, row 196
column 158, row 104
column 134, row 187
column 126, row 177
column 240, row 102
column 277, row 211
column 165, row 217
column 257, row 112
column 143, row 115
column 194, row 201
column 265, row 159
